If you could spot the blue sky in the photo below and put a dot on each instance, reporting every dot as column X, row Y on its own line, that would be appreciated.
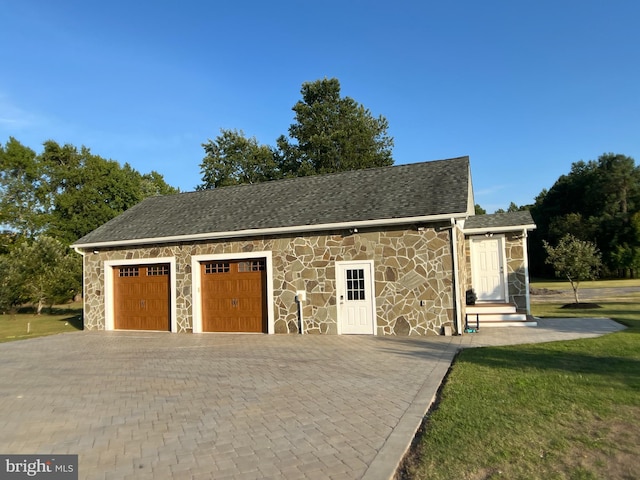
column 524, row 88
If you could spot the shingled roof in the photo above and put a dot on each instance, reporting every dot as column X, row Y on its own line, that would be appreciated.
column 376, row 195
column 500, row 221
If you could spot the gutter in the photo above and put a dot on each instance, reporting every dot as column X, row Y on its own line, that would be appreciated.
column 270, row 231
column 512, row 228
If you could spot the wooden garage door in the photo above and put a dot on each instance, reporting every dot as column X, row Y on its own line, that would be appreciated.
column 234, row 296
column 141, row 297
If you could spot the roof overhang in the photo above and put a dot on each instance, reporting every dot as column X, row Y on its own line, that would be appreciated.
column 503, row 229
column 389, row 222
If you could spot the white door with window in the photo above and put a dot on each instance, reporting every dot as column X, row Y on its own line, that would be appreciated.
column 488, row 272
column 356, row 301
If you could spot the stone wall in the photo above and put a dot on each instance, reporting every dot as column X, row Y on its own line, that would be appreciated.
column 516, row 273
column 412, row 270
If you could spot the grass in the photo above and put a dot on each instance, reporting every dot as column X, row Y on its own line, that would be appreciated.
column 25, row 324
column 559, row 410
column 559, row 284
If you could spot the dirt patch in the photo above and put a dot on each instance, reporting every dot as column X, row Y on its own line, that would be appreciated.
column 615, row 454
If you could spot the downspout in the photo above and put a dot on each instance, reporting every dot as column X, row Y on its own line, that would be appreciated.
column 526, row 271
column 456, row 278
column 301, row 296
column 84, row 296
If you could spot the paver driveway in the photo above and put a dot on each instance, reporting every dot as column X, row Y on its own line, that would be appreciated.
column 156, row 405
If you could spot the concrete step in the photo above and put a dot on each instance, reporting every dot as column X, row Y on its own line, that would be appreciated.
column 506, row 323
column 515, row 320
column 486, row 308
column 497, row 317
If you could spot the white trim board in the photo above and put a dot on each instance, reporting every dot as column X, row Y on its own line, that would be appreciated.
column 504, row 265
column 196, row 291
column 272, row 231
column 108, row 287
column 371, row 288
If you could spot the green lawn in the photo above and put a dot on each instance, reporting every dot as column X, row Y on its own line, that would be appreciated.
column 560, row 410
column 19, row 326
column 558, row 284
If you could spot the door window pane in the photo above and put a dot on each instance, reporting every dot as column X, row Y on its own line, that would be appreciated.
column 355, row 284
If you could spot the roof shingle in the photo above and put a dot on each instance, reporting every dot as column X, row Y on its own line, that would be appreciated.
column 499, row 220
column 402, row 191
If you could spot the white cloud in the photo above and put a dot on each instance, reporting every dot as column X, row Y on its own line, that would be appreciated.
column 15, row 117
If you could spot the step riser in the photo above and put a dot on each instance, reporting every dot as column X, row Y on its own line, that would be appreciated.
column 506, row 324
column 481, row 310
column 498, row 317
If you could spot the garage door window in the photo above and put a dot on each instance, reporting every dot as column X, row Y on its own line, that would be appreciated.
column 128, row 272
column 251, row 266
column 216, row 267
column 157, row 270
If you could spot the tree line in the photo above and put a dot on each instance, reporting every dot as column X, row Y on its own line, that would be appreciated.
column 50, row 199
column 598, row 201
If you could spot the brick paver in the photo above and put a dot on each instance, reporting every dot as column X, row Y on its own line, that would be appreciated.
column 159, row 405
column 155, row 405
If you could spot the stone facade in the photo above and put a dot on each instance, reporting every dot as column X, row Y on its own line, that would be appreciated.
column 517, row 276
column 413, row 277
column 464, row 275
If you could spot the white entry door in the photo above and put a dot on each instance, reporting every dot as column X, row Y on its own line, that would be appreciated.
column 356, row 303
column 488, row 272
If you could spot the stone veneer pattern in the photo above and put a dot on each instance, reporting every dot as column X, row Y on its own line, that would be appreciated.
column 410, row 267
column 514, row 246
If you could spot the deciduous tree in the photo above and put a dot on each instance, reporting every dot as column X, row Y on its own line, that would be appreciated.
column 333, row 134
column 233, row 159
column 42, row 272
column 577, row 260
column 24, row 204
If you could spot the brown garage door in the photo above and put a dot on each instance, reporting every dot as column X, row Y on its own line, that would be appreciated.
column 234, row 296
column 141, row 297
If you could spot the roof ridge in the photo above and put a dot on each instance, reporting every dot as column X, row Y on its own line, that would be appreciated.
column 324, row 175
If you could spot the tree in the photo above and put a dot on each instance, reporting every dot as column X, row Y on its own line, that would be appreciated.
column 333, row 134
column 233, row 159
column 10, row 289
column 66, row 192
column 87, row 190
column 42, row 272
column 153, row 184
column 513, row 207
column 23, row 201
column 479, row 210
column 575, row 259
column 595, row 202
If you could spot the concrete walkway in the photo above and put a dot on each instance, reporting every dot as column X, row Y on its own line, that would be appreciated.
column 156, row 405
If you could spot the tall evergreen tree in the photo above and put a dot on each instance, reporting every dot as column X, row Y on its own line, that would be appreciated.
column 333, row 134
